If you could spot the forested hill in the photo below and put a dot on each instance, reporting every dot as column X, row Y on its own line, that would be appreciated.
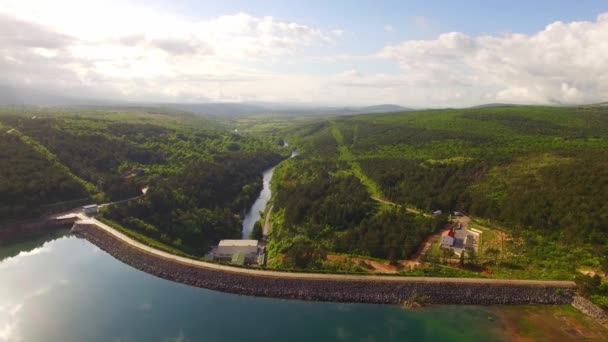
column 201, row 177
column 530, row 167
column 539, row 174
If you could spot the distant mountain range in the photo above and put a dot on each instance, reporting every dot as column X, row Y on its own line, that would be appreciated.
column 255, row 108
column 13, row 96
column 490, row 105
column 21, row 96
column 600, row 104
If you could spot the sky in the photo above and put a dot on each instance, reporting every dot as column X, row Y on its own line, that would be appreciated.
column 411, row 53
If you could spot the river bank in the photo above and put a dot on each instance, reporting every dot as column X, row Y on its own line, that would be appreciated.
column 352, row 289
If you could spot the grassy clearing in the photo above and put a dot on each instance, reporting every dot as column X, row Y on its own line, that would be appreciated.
column 347, row 156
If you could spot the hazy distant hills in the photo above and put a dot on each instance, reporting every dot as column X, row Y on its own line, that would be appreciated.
column 600, row 104
column 245, row 108
column 21, row 96
column 14, row 96
column 491, row 105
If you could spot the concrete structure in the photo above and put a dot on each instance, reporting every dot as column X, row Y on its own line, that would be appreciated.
column 349, row 288
column 237, row 251
column 459, row 239
column 66, row 219
column 90, row 210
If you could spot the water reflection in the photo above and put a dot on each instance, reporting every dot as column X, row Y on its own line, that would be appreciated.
column 69, row 290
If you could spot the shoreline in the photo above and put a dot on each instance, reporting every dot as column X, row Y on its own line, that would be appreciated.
column 324, row 287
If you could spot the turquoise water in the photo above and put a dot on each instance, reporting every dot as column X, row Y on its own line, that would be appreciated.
column 65, row 289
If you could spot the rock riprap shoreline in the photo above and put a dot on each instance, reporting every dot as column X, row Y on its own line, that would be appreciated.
column 360, row 290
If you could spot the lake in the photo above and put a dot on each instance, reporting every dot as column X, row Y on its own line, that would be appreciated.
column 62, row 288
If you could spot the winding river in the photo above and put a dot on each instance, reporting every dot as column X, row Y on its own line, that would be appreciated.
column 253, row 215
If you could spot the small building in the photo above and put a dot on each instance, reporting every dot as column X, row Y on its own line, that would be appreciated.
column 447, row 238
column 239, row 252
column 90, row 209
column 460, row 235
column 459, row 238
column 437, row 212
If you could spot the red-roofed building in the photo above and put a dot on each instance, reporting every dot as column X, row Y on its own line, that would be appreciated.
column 447, row 238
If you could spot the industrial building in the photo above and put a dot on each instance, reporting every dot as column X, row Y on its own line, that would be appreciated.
column 239, row 252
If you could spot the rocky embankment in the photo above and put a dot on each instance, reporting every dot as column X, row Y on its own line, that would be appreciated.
column 343, row 290
column 585, row 306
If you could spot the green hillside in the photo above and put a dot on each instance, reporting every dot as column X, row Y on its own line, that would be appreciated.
column 530, row 167
column 201, row 177
column 30, row 182
column 535, row 180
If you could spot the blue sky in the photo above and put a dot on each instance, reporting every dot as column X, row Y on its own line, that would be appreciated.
column 420, row 53
column 367, row 18
column 365, row 21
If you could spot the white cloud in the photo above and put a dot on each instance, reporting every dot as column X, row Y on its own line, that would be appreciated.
column 139, row 52
column 121, row 50
column 337, row 32
column 564, row 63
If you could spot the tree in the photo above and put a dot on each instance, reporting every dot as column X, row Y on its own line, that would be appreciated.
column 604, row 266
column 257, row 232
column 587, row 285
column 462, row 259
column 493, row 253
column 447, row 253
column 303, row 253
column 472, row 256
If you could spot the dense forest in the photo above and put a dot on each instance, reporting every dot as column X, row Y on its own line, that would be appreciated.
column 528, row 167
column 29, row 180
column 322, row 207
column 538, row 175
column 199, row 205
column 201, row 176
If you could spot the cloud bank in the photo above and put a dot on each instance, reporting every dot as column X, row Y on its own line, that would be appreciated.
column 131, row 52
column 564, row 63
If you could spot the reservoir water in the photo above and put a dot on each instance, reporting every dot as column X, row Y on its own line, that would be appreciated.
column 62, row 288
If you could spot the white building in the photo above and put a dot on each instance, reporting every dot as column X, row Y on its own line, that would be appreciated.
column 460, row 238
column 237, row 251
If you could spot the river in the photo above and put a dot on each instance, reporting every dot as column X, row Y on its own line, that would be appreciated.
column 62, row 288
column 253, row 215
